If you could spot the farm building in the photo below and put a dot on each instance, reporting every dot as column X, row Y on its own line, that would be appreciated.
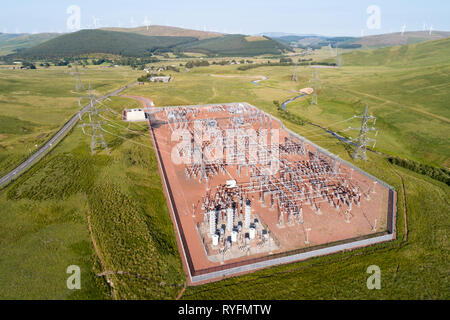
column 159, row 78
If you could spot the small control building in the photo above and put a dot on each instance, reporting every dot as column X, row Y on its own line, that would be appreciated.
column 134, row 115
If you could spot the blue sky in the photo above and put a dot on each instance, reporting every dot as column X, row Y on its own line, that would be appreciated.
column 327, row 17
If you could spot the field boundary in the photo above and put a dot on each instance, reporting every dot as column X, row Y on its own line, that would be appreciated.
column 102, row 264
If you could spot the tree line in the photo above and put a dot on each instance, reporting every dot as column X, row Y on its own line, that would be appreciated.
column 286, row 62
column 440, row 174
column 286, row 115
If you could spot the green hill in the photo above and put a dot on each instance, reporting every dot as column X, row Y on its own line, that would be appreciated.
column 236, row 45
column 102, row 41
column 400, row 39
column 138, row 45
column 427, row 53
column 10, row 43
column 167, row 31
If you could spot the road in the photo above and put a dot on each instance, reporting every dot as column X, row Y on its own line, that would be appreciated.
column 146, row 103
column 54, row 140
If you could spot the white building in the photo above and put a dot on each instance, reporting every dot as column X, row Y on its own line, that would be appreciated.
column 159, row 78
column 134, row 115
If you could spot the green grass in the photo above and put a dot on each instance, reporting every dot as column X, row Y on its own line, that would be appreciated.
column 130, row 221
column 39, row 240
column 412, row 117
column 417, row 54
column 34, row 104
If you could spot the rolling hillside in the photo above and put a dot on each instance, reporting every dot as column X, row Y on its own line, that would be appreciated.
column 10, row 43
column 427, row 53
column 316, row 41
column 101, row 41
column 395, row 39
column 138, row 45
column 236, row 45
column 367, row 42
column 166, row 31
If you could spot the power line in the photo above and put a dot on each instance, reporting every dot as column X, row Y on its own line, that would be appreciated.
column 97, row 138
column 78, row 83
column 363, row 139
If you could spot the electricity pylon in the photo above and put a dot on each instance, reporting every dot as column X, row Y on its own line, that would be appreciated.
column 294, row 74
column 97, row 138
column 363, row 139
column 78, row 83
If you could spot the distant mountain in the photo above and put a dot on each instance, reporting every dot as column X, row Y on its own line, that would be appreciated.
column 167, row 31
column 317, row 42
column 8, row 36
column 285, row 34
column 10, row 43
column 102, row 41
column 371, row 42
column 138, row 45
column 421, row 54
column 394, row 39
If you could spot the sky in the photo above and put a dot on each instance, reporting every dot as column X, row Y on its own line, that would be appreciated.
column 324, row 17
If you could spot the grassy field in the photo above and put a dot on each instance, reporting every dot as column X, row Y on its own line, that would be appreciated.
column 412, row 117
column 43, row 216
column 35, row 103
column 43, row 221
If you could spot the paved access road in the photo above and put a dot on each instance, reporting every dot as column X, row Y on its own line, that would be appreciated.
column 54, row 140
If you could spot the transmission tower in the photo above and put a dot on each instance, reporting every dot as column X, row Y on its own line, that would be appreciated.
column 78, row 83
column 363, row 139
column 316, row 86
column 294, row 74
column 97, row 138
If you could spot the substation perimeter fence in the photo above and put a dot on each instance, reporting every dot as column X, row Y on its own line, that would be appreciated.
column 289, row 256
column 282, row 257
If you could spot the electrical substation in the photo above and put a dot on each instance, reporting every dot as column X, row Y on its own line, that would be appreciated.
column 246, row 193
